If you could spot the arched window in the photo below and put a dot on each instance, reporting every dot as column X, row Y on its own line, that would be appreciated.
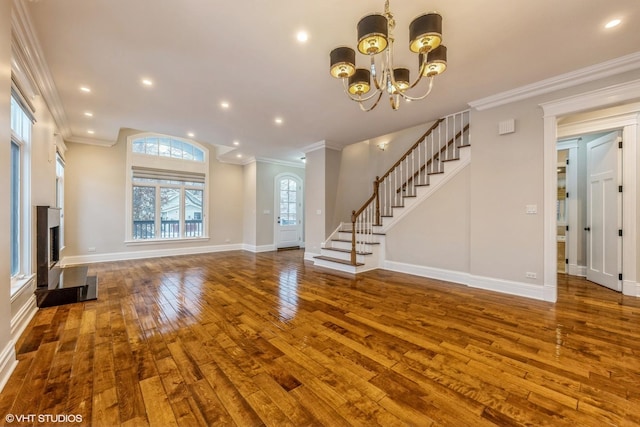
column 167, row 181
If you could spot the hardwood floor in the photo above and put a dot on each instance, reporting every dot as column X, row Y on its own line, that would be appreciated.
column 266, row 339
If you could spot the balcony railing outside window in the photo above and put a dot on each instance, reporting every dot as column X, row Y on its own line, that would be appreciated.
column 169, row 229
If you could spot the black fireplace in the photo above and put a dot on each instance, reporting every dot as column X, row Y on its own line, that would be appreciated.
column 57, row 285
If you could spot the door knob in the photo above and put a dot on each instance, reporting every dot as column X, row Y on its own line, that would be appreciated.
column 587, row 229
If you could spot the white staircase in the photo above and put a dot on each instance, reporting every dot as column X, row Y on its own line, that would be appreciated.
column 433, row 160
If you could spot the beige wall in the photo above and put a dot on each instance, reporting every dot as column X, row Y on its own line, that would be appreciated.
column 6, row 356
column 361, row 162
column 315, row 173
column 95, row 202
column 435, row 233
column 249, row 207
column 265, row 198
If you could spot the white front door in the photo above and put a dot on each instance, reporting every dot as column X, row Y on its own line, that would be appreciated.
column 603, row 212
column 288, row 229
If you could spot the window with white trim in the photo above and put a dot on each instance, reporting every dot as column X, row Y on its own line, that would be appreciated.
column 167, row 181
column 20, row 200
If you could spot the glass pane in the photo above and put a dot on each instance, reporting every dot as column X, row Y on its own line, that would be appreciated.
column 284, row 196
column 187, row 150
column 144, row 212
column 292, row 185
column 193, row 212
column 284, row 184
column 138, row 146
column 15, row 209
column 165, row 147
column 284, row 208
column 292, row 197
column 151, row 146
column 169, row 213
column 198, row 154
column 176, row 149
column 292, row 209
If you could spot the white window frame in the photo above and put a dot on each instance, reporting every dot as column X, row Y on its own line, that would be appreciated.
column 136, row 161
column 22, row 138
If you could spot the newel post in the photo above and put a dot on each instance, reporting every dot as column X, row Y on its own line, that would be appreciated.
column 353, row 238
column 376, row 192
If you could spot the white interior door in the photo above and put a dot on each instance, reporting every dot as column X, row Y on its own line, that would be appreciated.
column 603, row 212
column 288, row 231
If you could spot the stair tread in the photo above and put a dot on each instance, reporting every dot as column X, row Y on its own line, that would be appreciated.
column 349, row 241
column 346, row 251
column 337, row 260
column 375, row 234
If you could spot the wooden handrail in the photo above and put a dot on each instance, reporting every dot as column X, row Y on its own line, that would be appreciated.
column 375, row 197
column 442, row 150
column 431, row 129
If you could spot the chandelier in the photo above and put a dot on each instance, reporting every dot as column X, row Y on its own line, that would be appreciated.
column 375, row 39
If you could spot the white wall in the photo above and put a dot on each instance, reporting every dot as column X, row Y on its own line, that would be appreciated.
column 249, row 206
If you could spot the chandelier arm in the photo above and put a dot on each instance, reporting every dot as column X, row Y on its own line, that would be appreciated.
column 378, row 84
column 423, row 67
column 356, row 99
column 374, row 105
column 411, row 98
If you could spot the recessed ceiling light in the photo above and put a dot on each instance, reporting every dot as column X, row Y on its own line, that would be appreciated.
column 302, row 36
column 88, row 113
column 191, row 134
column 236, row 143
column 91, row 132
column 613, row 23
column 224, row 104
column 147, row 82
column 239, row 156
column 85, row 89
column 278, row 121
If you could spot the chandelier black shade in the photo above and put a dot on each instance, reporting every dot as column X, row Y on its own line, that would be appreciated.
column 376, row 41
column 373, row 31
column 343, row 61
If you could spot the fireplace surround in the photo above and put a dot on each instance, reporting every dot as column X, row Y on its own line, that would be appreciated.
column 57, row 285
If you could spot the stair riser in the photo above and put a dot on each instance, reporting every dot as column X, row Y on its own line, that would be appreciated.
column 342, row 255
column 347, row 236
column 347, row 245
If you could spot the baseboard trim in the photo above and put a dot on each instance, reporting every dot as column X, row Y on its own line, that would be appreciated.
column 21, row 320
column 577, row 270
column 308, row 256
column 486, row 283
column 428, row 272
column 631, row 288
column 155, row 253
column 519, row 289
column 259, row 249
column 8, row 363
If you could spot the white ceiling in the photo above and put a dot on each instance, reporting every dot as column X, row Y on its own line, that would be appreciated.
column 201, row 52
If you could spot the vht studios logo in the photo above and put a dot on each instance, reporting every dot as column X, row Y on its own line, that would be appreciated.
column 43, row 418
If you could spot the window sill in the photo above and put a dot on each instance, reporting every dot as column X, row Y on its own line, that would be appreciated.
column 20, row 283
column 142, row 242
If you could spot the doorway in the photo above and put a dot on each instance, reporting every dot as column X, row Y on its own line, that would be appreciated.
column 589, row 207
column 288, row 208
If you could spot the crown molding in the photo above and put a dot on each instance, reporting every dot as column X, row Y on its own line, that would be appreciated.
column 319, row 146
column 584, row 75
column 28, row 45
column 90, row 141
column 280, row 162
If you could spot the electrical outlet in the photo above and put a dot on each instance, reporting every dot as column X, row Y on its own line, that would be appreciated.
column 530, row 275
column 91, row 249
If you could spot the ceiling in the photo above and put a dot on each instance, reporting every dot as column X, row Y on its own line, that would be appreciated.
column 199, row 53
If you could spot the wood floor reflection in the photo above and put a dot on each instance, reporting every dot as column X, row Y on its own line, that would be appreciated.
column 266, row 339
